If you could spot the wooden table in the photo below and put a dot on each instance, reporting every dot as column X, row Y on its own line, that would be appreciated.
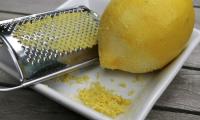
column 181, row 101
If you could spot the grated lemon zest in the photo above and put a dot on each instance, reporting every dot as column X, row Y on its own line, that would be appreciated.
column 102, row 100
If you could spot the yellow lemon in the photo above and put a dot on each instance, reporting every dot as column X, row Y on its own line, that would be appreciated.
column 140, row 36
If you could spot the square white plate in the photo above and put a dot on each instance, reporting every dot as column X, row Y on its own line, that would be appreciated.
column 147, row 87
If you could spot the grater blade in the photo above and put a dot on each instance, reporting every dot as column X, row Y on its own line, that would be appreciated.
column 42, row 46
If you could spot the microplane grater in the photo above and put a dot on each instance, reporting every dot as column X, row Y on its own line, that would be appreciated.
column 43, row 46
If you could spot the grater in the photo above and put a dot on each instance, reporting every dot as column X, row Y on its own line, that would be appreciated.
column 42, row 46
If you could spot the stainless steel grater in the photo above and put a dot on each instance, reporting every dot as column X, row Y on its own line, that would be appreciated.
column 43, row 46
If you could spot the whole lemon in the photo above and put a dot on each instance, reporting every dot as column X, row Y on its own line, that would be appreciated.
column 140, row 36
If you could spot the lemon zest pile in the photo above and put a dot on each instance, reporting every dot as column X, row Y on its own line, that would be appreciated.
column 105, row 101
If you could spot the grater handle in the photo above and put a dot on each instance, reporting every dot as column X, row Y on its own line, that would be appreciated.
column 4, row 89
column 94, row 61
column 10, row 88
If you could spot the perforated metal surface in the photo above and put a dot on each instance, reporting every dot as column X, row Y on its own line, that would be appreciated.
column 54, row 35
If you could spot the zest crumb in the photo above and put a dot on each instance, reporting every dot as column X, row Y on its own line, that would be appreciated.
column 79, row 79
column 103, row 100
column 98, row 76
column 112, row 80
column 130, row 93
column 138, row 79
column 82, row 79
column 122, row 84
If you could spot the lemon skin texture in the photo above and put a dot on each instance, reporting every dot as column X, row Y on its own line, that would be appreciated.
column 141, row 36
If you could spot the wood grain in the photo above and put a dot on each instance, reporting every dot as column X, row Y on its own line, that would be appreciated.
column 26, row 104
column 164, row 115
column 183, row 92
column 29, row 6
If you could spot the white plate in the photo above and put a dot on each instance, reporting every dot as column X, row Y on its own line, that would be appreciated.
column 147, row 87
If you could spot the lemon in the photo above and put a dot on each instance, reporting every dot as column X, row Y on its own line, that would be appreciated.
column 140, row 36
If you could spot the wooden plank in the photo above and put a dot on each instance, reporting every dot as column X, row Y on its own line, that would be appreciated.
column 29, row 6
column 164, row 115
column 26, row 104
column 5, row 16
column 183, row 93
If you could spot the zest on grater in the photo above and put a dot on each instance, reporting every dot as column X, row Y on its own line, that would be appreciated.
column 42, row 46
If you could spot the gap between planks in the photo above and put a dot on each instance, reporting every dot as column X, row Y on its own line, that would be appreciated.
column 176, row 110
column 165, row 115
column 183, row 92
column 14, row 13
